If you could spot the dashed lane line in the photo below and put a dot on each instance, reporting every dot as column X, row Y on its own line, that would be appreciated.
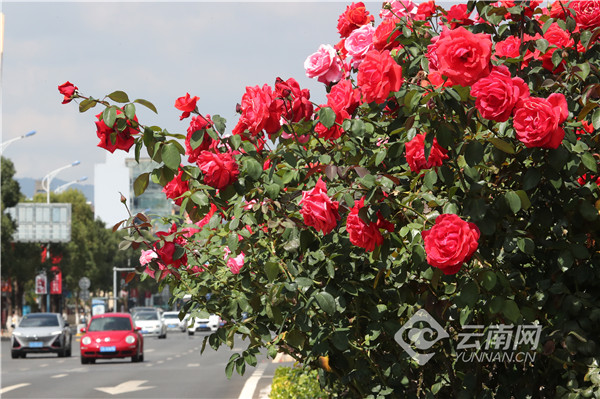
column 12, row 387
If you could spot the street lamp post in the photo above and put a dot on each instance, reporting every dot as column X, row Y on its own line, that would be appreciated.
column 62, row 188
column 9, row 142
column 115, row 270
column 46, row 187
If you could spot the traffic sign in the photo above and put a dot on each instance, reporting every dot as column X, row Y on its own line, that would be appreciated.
column 84, row 283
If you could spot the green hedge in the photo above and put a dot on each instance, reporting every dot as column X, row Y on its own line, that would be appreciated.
column 296, row 383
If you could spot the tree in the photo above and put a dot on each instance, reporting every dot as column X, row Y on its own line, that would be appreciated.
column 446, row 193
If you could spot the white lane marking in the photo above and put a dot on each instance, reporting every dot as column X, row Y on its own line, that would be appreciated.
column 10, row 388
column 128, row 386
column 160, row 362
column 193, row 365
column 149, row 350
column 44, row 365
column 59, row 375
column 265, row 392
column 252, row 382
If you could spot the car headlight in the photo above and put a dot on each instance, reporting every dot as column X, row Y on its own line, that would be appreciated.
column 17, row 334
column 86, row 340
column 130, row 339
column 56, row 332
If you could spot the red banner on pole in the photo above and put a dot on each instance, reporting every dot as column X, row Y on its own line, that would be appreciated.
column 56, row 284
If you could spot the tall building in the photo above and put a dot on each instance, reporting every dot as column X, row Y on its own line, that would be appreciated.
column 115, row 177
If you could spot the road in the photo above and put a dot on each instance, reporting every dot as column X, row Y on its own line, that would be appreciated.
column 172, row 368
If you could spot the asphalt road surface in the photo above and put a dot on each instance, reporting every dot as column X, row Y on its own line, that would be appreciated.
column 172, row 368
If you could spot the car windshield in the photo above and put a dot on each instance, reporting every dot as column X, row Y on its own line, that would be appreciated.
column 46, row 320
column 146, row 316
column 110, row 324
column 173, row 315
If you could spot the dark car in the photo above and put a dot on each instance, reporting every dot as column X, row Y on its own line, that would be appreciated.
column 41, row 333
column 111, row 335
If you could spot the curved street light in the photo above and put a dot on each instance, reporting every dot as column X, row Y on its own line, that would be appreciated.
column 48, row 178
column 9, row 142
column 62, row 188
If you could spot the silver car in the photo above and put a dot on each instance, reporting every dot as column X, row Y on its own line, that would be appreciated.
column 41, row 333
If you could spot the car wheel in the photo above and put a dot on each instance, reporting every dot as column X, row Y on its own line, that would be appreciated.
column 135, row 359
column 14, row 355
column 190, row 333
column 84, row 360
column 62, row 352
column 141, row 359
column 68, row 351
column 23, row 355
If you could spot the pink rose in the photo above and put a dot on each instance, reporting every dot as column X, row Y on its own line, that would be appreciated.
column 186, row 104
column 220, row 169
column 318, row 210
column 378, row 76
column 236, row 264
column 147, row 256
column 450, row 243
column 176, row 188
column 198, row 123
column 399, row 8
column 497, row 94
column 324, row 65
column 537, row 121
column 463, row 56
column 359, row 43
column 355, row 16
column 415, row 154
column 67, row 89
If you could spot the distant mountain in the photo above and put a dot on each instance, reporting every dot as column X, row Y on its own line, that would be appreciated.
column 28, row 187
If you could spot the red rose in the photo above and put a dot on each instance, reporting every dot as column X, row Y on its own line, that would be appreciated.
column 498, row 93
column 294, row 103
column 167, row 250
column 378, row 76
column 257, row 114
column 67, row 89
column 198, row 123
column 558, row 39
column 386, row 35
column 537, row 121
column 355, row 16
column 176, row 187
column 318, row 209
column 415, row 154
column 463, row 56
column 335, row 131
column 508, row 48
column 220, row 169
column 587, row 13
column 528, row 7
column 425, row 10
column 450, row 243
column 111, row 138
column 457, row 15
column 186, row 104
column 344, row 96
column 362, row 234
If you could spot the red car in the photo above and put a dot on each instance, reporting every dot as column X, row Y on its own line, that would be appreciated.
column 111, row 335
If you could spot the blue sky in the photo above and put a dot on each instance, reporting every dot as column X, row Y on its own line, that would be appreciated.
column 155, row 51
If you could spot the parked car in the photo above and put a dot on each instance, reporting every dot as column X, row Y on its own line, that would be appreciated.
column 151, row 323
column 136, row 309
column 197, row 324
column 111, row 335
column 41, row 333
column 172, row 321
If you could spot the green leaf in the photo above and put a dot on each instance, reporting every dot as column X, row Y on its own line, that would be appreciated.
column 87, row 104
column 200, row 198
column 231, row 365
column 304, row 282
column 502, row 145
column 526, row 245
column 488, row 280
column 146, row 104
column 326, row 302
column 219, row 123
column 585, row 70
column 513, row 201
column 141, row 183
column 474, row 153
column 171, row 156
column 525, row 202
column 542, row 45
column 430, row 179
column 119, row 96
column 253, row 168
column 588, row 211
column 380, row 157
column 235, row 140
column 531, row 179
column 511, row 310
column 272, row 270
column 109, row 116
column 273, row 190
column 589, row 161
column 129, row 111
column 595, row 119
column 327, row 117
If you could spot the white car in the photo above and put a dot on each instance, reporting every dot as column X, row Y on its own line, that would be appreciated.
column 151, row 323
column 172, row 321
column 197, row 324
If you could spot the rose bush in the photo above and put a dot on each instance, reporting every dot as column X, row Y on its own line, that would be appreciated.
column 453, row 171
